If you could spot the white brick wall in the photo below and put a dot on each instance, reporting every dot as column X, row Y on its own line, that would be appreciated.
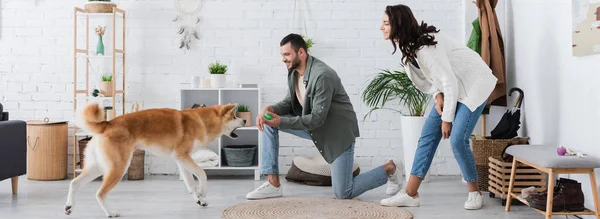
column 36, row 40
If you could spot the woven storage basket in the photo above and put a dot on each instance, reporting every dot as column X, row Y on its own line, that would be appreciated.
column 82, row 145
column 483, row 149
column 136, row 168
column 47, row 148
column 99, row 7
column 239, row 155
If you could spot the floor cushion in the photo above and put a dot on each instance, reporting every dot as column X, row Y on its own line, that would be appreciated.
column 313, row 170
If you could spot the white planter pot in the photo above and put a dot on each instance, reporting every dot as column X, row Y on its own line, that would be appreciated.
column 411, row 132
column 217, row 80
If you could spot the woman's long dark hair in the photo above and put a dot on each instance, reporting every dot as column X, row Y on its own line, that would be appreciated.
column 407, row 33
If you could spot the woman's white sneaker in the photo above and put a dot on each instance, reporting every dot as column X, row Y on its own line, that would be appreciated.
column 266, row 190
column 474, row 201
column 401, row 200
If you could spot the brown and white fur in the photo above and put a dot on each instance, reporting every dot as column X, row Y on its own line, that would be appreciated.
column 163, row 132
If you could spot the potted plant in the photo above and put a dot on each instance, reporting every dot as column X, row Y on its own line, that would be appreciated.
column 309, row 42
column 217, row 74
column 99, row 6
column 395, row 85
column 244, row 112
column 107, row 85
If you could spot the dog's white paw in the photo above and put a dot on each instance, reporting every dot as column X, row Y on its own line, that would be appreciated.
column 68, row 209
column 202, row 202
column 113, row 214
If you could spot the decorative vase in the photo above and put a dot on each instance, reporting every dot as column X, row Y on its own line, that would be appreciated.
column 196, row 80
column 106, row 88
column 100, row 46
column 217, row 80
column 411, row 132
column 246, row 116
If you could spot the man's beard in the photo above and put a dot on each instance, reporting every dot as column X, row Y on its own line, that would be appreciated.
column 295, row 62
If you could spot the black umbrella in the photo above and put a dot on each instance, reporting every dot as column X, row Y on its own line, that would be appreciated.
column 510, row 121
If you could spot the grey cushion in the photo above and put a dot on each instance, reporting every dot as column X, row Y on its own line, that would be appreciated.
column 546, row 156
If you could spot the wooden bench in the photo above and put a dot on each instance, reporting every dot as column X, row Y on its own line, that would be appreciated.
column 545, row 158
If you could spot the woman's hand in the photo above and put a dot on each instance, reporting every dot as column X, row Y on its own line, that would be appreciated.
column 446, row 128
column 439, row 103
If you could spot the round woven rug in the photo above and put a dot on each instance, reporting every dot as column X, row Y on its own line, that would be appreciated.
column 313, row 208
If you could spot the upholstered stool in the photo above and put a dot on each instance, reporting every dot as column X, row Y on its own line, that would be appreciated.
column 546, row 159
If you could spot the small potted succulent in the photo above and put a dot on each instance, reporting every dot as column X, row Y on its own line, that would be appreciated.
column 99, row 6
column 107, row 85
column 243, row 111
column 217, row 74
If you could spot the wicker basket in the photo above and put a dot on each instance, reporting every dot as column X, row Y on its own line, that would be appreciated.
column 47, row 149
column 99, row 7
column 483, row 149
column 239, row 155
column 136, row 168
column 82, row 145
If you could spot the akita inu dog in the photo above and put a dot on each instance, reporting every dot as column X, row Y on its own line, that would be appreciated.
column 163, row 132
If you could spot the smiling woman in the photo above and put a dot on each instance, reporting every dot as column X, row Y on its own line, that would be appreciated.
column 460, row 82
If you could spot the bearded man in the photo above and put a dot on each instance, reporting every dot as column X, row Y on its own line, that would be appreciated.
column 316, row 107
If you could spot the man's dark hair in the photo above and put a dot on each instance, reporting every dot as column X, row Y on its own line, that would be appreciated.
column 296, row 40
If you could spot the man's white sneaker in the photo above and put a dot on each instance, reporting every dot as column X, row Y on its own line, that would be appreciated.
column 401, row 200
column 394, row 183
column 266, row 190
column 474, row 201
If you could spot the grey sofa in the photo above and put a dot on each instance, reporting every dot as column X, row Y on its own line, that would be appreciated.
column 13, row 149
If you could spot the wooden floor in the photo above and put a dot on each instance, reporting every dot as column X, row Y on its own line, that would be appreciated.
column 165, row 197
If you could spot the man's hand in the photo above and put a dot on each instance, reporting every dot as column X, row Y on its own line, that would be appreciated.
column 439, row 103
column 275, row 121
column 260, row 119
column 446, row 128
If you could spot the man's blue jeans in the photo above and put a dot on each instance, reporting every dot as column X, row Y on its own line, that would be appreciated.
column 345, row 186
column 462, row 128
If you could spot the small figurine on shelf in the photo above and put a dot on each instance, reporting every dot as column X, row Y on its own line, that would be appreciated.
column 96, row 93
column 100, row 47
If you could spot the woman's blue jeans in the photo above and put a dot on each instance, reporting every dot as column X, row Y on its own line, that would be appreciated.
column 431, row 135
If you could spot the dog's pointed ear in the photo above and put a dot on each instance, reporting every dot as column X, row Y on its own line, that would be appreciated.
column 228, row 108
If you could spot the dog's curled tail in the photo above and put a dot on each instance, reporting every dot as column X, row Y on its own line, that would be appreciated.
column 91, row 119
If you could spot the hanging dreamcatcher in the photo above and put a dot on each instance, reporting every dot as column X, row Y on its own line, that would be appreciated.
column 187, row 18
column 309, row 41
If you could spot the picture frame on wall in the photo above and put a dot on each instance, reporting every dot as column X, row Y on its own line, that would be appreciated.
column 586, row 27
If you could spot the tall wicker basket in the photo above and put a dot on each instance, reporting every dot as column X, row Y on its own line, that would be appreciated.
column 483, row 149
column 47, row 146
column 136, row 168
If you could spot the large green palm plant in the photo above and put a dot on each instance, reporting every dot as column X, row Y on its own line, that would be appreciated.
column 390, row 86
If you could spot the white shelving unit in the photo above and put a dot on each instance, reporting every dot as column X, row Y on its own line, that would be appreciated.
column 247, row 135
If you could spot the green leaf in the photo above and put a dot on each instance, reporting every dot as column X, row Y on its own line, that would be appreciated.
column 242, row 108
column 107, row 78
column 217, row 68
column 388, row 86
